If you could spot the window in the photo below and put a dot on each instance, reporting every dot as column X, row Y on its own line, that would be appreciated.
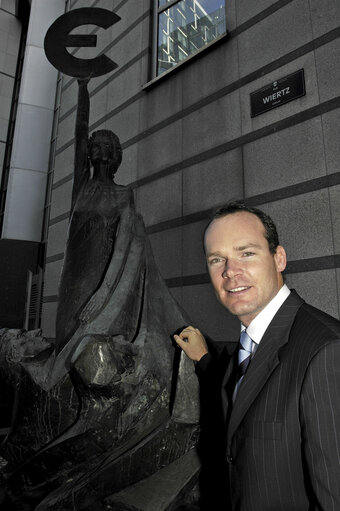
column 185, row 27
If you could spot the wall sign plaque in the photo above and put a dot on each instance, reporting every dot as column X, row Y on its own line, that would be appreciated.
column 278, row 93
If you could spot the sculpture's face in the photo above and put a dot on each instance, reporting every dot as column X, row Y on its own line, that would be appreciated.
column 104, row 150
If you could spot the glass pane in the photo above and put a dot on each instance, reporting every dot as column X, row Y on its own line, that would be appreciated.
column 186, row 27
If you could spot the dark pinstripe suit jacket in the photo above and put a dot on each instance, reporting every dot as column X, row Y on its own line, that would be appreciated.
column 283, row 434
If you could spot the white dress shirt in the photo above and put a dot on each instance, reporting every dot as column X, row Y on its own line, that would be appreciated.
column 260, row 323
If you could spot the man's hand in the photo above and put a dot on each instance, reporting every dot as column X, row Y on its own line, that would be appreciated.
column 192, row 343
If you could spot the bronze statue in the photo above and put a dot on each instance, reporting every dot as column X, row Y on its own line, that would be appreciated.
column 106, row 406
column 99, row 206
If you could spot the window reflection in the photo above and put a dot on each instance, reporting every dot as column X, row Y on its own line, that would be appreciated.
column 186, row 27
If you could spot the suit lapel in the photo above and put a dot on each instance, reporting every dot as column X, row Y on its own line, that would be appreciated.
column 265, row 360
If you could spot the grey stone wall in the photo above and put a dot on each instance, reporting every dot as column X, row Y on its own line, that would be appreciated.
column 190, row 144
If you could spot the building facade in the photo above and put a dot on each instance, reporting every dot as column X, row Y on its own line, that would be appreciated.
column 181, row 102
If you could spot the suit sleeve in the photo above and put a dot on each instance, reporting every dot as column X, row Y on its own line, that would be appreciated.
column 320, row 423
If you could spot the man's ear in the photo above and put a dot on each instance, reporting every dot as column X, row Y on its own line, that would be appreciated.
column 280, row 258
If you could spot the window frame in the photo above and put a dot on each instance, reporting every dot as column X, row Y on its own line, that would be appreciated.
column 155, row 27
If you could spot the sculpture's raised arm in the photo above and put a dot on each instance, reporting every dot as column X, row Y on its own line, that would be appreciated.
column 81, row 163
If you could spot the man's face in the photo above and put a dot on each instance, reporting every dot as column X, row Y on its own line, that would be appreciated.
column 244, row 273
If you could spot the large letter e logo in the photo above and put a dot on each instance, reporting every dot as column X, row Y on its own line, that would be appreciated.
column 57, row 39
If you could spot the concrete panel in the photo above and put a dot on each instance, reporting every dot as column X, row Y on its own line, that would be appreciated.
column 36, row 91
column 160, row 200
column 334, row 196
column 209, row 315
column 318, row 288
column 13, row 43
column 8, row 5
column 167, row 250
column 211, row 125
column 64, row 164
column 275, row 36
column 10, row 64
column 49, row 314
column 57, row 235
column 160, row 150
column 304, row 224
column 337, row 274
column 68, row 97
column 3, row 129
column 122, row 88
column 24, row 205
column 193, row 253
column 161, row 102
column 66, row 129
column 247, row 9
column 213, row 182
column 6, row 86
column 33, row 129
column 124, row 124
column 306, row 62
column 331, row 130
column 327, row 64
column 212, row 71
column 325, row 16
column 287, row 157
column 5, row 107
column 61, row 200
column 52, row 277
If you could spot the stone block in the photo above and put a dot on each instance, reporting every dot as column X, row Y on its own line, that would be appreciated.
column 213, row 182
column 49, row 314
column 275, row 36
column 331, row 128
column 167, row 251
column 220, row 68
column 334, row 196
column 63, row 164
column 57, row 238
column 160, row 200
column 193, row 253
column 284, row 158
column 160, row 150
column 52, row 276
column 304, row 224
column 325, row 15
column 318, row 288
column 211, row 125
column 61, row 200
column 327, row 64
column 247, row 9
column 161, row 102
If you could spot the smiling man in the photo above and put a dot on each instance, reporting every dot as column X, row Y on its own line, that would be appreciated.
column 280, row 392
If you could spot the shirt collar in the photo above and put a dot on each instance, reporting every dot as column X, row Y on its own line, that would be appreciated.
column 260, row 323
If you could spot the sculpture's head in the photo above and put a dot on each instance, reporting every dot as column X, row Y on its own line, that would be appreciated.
column 104, row 147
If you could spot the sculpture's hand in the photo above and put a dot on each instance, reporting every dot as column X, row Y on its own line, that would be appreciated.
column 84, row 81
column 192, row 343
column 92, row 308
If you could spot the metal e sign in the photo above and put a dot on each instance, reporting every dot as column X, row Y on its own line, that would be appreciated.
column 278, row 93
column 57, row 39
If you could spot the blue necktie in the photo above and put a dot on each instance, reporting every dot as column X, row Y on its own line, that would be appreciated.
column 244, row 356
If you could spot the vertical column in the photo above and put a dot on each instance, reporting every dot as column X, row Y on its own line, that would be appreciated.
column 29, row 162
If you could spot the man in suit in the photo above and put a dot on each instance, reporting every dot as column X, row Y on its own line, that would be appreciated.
column 281, row 389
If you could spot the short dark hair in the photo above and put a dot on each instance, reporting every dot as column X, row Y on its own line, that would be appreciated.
column 271, row 234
